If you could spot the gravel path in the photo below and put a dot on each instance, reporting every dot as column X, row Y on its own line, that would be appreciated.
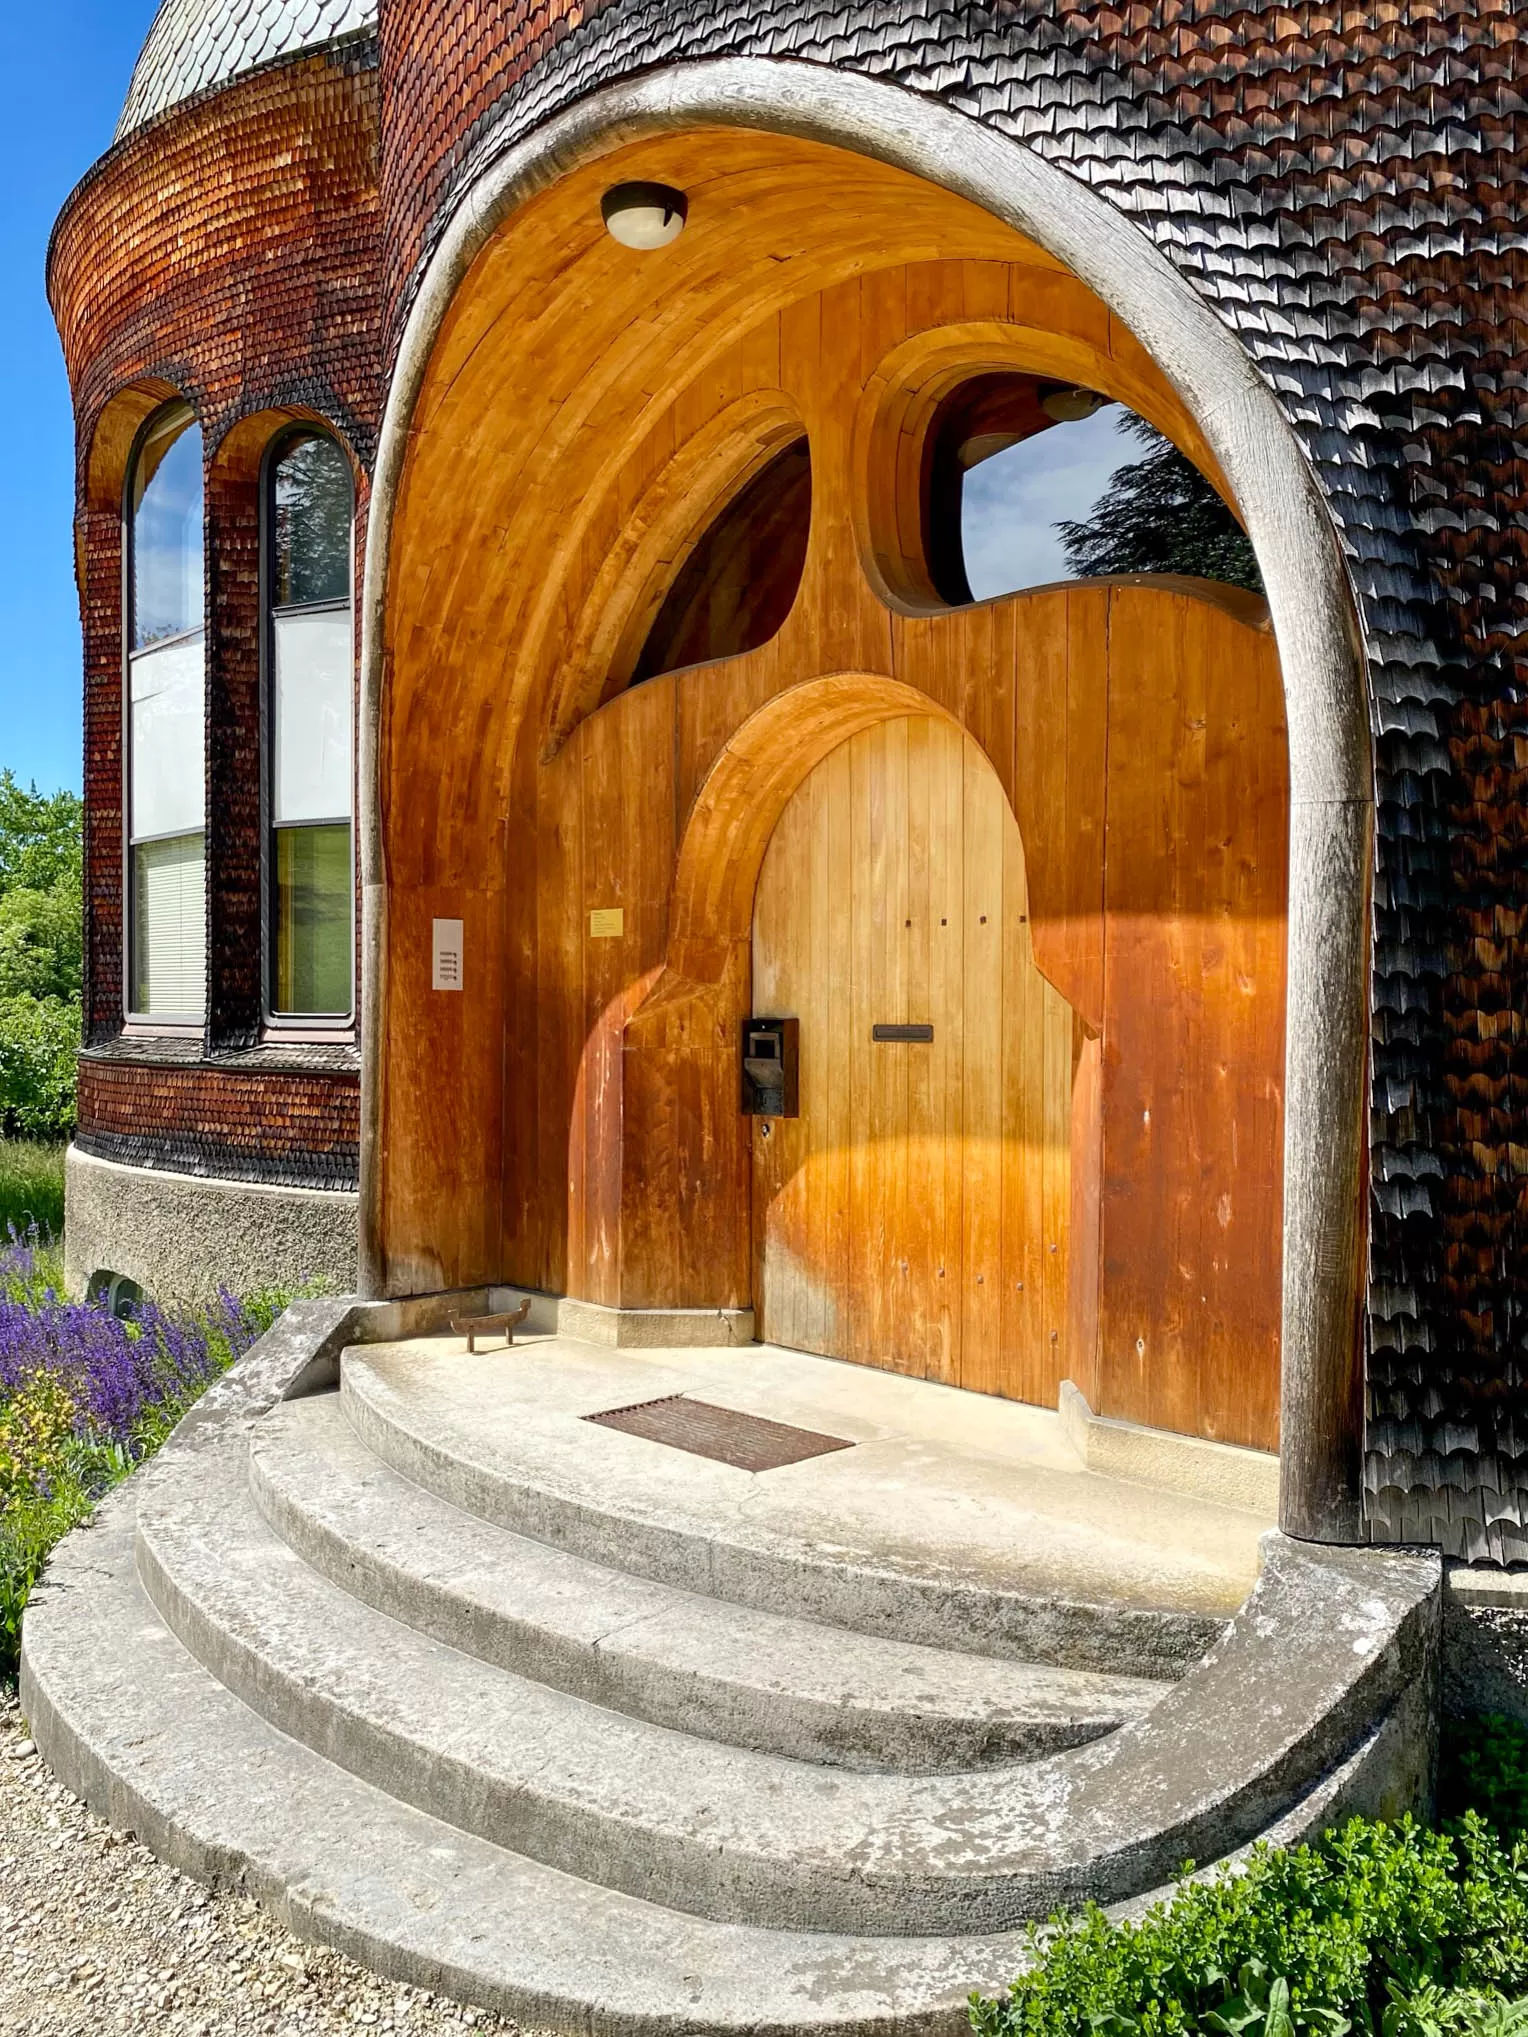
column 96, row 1937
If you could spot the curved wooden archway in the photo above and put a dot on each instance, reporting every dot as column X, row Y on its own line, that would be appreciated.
column 512, row 801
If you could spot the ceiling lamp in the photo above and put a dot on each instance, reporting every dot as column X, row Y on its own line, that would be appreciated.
column 645, row 215
column 1071, row 406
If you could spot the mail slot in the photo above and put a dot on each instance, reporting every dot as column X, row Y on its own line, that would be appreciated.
column 771, row 1085
column 917, row 1036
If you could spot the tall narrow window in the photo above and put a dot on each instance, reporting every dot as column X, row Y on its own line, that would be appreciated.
column 166, row 794
column 312, row 660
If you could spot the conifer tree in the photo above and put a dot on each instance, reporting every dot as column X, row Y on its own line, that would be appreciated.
column 1160, row 515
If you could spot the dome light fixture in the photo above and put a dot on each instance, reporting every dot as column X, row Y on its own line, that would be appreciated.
column 645, row 216
column 1071, row 406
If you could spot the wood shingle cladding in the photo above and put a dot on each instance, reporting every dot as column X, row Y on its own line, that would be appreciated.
column 196, row 45
column 1343, row 186
column 253, row 293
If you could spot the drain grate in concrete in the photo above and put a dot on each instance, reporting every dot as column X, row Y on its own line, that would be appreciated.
column 748, row 1441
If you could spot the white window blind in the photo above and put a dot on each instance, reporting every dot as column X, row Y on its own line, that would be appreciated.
column 170, row 928
column 315, row 656
column 168, row 745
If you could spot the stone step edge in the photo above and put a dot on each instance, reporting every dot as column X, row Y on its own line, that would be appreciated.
column 1319, row 1654
column 761, row 1680
column 131, row 1722
column 119, row 1708
column 715, row 1832
column 894, row 1605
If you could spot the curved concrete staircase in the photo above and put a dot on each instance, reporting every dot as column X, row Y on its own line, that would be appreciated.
column 622, row 1742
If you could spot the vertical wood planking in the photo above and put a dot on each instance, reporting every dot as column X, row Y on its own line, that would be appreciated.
column 917, row 1173
column 1022, row 1317
column 1191, row 1198
column 983, row 813
column 1190, row 746
column 921, row 1222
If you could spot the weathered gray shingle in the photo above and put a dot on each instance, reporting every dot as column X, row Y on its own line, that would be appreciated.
column 197, row 43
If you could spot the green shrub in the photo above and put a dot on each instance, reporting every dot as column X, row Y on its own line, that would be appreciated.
column 1483, row 1766
column 29, row 1528
column 31, row 1188
column 1393, row 1930
column 41, row 958
column 39, row 1058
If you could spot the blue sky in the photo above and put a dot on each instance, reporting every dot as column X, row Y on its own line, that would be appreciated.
column 67, row 67
column 1012, row 503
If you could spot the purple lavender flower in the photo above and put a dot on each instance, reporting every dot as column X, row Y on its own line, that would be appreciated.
column 120, row 1370
column 18, row 1257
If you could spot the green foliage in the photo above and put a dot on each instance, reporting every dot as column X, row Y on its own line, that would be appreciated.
column 29, row 1528
column 39, row 1043
column 1391, row 1931
column 1160, row 515
column 31, row 1191
column 42, row 942
column 41, row 959
column 39, row 837
column 1483, row 1767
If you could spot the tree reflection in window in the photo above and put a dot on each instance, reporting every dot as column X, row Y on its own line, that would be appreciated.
column 1017, row 497
column 314, row 511
column 310, row 738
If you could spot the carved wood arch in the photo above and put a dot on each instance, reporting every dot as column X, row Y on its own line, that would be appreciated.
column 596, row 1147
column 657, row 532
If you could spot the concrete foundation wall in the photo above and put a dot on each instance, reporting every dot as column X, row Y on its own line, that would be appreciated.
column 1485, row 1642
column 182, row 1237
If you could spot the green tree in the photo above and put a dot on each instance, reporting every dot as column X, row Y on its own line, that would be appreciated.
column 40, row 837
column 1160, row 515
column 41, row 958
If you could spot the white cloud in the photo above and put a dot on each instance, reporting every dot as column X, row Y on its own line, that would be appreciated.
column 1012, row 503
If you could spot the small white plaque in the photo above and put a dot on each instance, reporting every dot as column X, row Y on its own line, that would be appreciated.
column 607, row 923
column 446, row 969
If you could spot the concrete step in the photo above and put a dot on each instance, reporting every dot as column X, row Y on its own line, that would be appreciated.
column 133, row 1724
column 154, row 1743
column 1321, row 1653
column 941, row 1541
column 726, row 1672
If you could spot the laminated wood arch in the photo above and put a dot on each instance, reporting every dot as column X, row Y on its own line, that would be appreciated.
column 735, row 812
column 469, row 654
column 671, row 511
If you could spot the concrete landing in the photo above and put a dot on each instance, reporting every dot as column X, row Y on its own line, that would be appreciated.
column 974, row 1498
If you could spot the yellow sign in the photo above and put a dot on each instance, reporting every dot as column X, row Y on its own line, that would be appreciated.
column 607, row 923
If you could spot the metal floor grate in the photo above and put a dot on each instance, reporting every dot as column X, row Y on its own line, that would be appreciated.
column 748, row 1441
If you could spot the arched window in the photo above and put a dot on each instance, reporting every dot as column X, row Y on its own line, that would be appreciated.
column 1029, row 481
column 166, row 790
column 311, row 513
column 736, row 588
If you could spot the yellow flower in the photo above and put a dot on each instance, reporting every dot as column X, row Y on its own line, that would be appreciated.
column 35, row 1425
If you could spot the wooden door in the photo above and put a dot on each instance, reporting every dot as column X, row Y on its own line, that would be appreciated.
column 914, row 1216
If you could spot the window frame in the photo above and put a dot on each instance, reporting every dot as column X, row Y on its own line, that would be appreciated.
column 168, row 1025
column 310, row 1027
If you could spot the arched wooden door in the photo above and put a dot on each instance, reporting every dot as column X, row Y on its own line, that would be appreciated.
column 914, row 1216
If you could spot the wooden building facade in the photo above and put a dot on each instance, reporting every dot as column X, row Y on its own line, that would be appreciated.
column 1148, row 948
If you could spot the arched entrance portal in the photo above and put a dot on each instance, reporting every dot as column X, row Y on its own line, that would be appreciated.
column 587, row 817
